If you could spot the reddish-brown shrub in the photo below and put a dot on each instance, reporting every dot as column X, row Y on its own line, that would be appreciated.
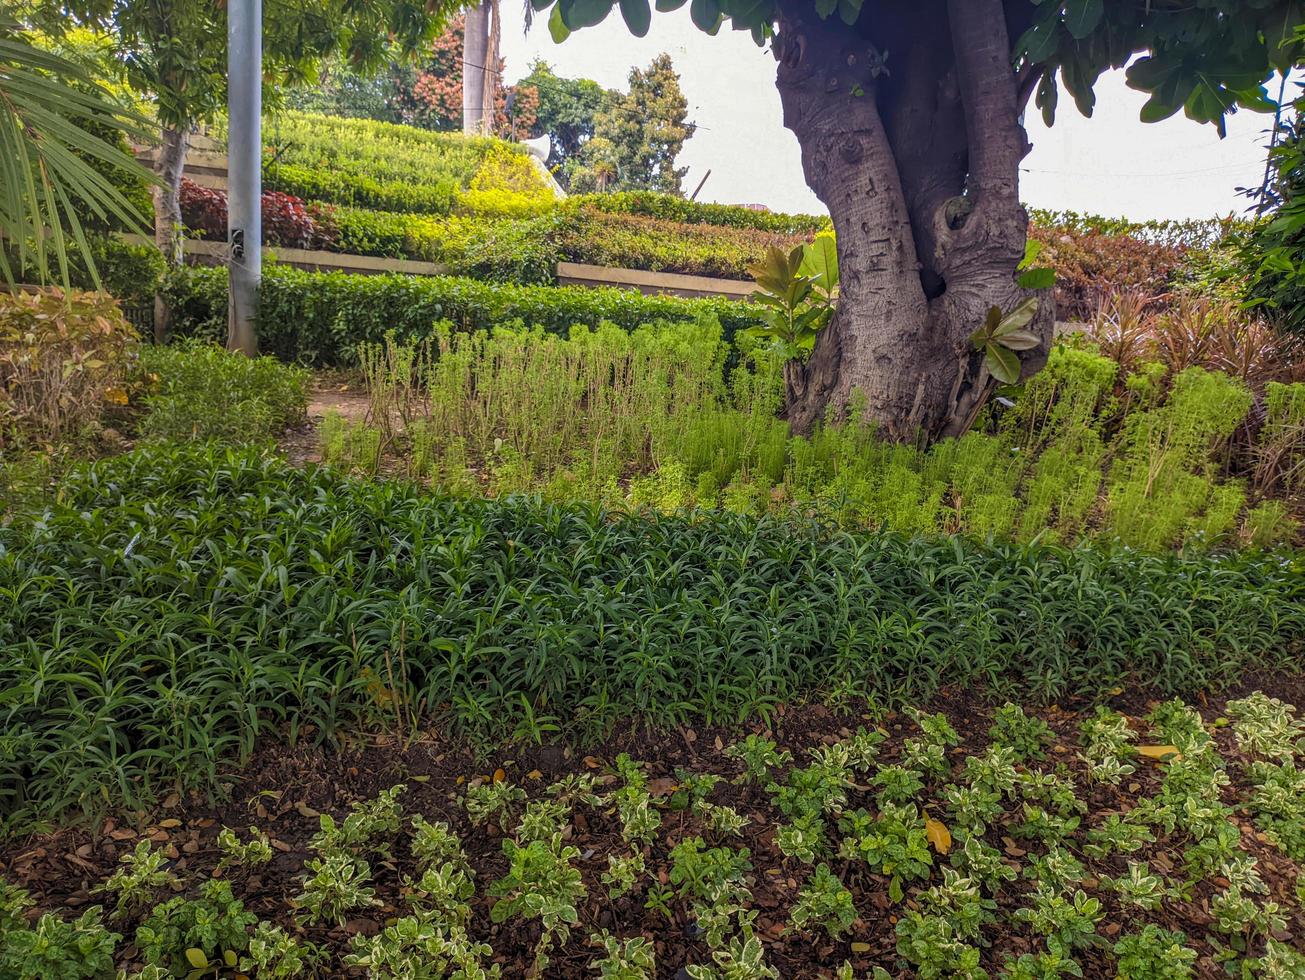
column 204, row 210
column 1188, row 331
column 1091, row 266
column 63, row 360
column 287, row 221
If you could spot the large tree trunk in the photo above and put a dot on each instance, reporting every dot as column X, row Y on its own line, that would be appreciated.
column 170, row 165
column 917, row 157
column 475, row 55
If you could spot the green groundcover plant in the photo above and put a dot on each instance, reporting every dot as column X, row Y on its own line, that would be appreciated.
column 175, row 604
column 469, row 898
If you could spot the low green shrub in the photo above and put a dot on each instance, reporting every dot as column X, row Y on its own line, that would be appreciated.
column 634, row 241
column 201, row 391
column 320, row 318
column 504, row 184
column 384, row 152
column 360, row 190
column 175, row 604
column 671, row 208
column 385, row 233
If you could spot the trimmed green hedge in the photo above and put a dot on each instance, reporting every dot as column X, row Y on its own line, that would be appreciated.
column 320, row 318
column 655, row 205
column 360, row 190
column 633, row 241
column 178, row 603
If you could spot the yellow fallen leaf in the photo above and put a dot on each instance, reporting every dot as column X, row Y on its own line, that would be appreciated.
column 534, row 774
column 938, row 834
column 499, row 775
column 115, row 396
column 1157, row 752
column 860, row 947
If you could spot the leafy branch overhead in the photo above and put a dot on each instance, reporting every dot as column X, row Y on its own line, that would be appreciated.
column 1201, row 58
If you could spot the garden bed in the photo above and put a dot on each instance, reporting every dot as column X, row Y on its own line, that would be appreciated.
column 1121, row 815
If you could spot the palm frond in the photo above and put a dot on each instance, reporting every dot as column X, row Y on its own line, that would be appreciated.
column 51, row 112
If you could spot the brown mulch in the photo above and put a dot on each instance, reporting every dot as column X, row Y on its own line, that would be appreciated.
column 282, row 791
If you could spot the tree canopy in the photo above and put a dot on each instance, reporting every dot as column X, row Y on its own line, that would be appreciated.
column 567, row 110
column 637, row 136
column 177, row 51
column 1205, row 57
column 62, row 163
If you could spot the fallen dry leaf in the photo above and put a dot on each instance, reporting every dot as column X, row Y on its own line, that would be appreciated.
column 938, row 834
column 1158, row 752
column 662, row 786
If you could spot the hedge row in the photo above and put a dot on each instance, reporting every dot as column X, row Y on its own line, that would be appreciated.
column 178, row 603
column 360, row 190
column 1184, row 233
column 320, row 318
column 633, row 241
column 655, row 205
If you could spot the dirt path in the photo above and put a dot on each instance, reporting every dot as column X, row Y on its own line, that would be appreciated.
column 347, row 397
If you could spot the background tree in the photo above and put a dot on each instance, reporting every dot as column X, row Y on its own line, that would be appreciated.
column 595, row 169
column 418, row 89
column 343, row 90
column 566, row 113
column 430, row 93
column 908, row 116
column 646, row 128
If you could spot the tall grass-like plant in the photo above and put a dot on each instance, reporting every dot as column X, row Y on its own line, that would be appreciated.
column 593, row 405
column 1056, row 427
column 1280, row 448
column 1162, row 486
column 644, row 418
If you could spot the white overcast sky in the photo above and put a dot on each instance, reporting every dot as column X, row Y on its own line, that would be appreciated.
column 1111, row 164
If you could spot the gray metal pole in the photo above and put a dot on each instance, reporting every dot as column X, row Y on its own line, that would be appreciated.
column 244, row 170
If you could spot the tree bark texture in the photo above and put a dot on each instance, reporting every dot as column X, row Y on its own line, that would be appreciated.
column 910, row 133
column 170, row 166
